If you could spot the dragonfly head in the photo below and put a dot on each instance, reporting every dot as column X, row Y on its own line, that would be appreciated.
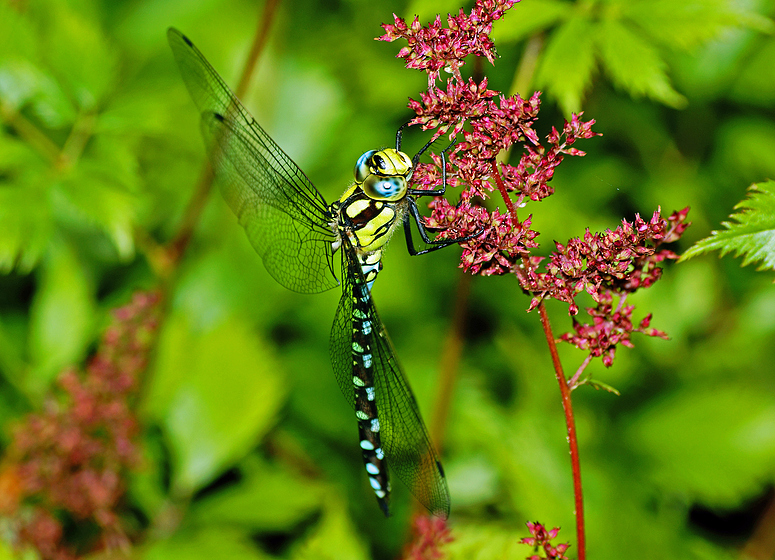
column 384, row 174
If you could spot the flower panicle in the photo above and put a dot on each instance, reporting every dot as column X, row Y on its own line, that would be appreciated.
column 541, row 541
column 434, row 47
column 70, row 460
column 610, row 265
column 430, row 536
column 605, row 265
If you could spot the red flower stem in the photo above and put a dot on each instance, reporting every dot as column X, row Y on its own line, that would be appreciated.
column 564, row 391
column 201, row 195
column 502, row 188
column 570, row 423
column 450, row 362
column 761, row 545
column 448, row 370
column 575, row 379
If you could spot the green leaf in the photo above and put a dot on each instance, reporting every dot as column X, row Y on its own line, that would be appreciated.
column 267, row 499
column 25, row 216
column 635, row 65
column 527, row 18
column 79, row 54
column 21, row 83
column 568, row 62
column 17, row 36
column 753, row 234
column 335, row 537
column 204, row 543
column 600, row 385
column 216, row 392
column 754, row 83
column 62, row 316
column 688, row 23
column 15, row 158
column 712, row 444
column 94, row 195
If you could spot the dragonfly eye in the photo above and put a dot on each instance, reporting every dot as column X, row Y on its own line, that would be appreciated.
column 379, row 162
column 385, row 188
column 362, row 167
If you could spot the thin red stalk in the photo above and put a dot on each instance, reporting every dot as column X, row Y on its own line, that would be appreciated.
column 575, row 379
column 567, row 406
column 502, row 188
column 450, row 362
column 197, row 203
column 761, row 545
column 570, row 424
column 172, row 512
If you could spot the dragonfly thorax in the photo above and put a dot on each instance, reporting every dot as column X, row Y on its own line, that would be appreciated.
column 383, row 174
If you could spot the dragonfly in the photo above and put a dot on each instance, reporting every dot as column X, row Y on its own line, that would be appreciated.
column 298, row 236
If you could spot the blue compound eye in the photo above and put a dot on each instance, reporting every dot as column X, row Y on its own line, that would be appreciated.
column 362, row 168
column 385, row 188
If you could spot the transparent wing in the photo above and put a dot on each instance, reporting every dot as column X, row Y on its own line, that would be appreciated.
column 286, row 219
column 408, row 448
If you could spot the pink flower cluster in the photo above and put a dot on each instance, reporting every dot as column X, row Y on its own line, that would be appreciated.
column 602, row 264
column 69, row 461
column 614, row 263
column 435, row 47
column 501, row 241
column 621, row 261
column 609, row 328
column 541, row 540
column 431, row 533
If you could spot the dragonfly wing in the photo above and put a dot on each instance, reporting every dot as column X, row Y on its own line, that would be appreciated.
column 407, row 444
column 286, row 219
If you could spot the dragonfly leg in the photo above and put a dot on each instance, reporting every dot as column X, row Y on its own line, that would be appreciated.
column 434, row 245
column 443, row 189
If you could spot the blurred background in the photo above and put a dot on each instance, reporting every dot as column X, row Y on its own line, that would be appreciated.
column 236, row 439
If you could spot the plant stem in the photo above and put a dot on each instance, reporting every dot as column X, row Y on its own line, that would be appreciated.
column 78, row 138
column 448, row 368
column 570, row 424
column 32, row 135
column 197, row 203
column 259, row 42
column 450, row 361
column 523, row 77
column 502, row 188
column 574, row 381
column 567, row 406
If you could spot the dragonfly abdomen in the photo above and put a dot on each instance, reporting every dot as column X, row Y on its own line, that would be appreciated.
column 365, row 395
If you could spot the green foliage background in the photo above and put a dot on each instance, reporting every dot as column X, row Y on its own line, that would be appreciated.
column 248, row 442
